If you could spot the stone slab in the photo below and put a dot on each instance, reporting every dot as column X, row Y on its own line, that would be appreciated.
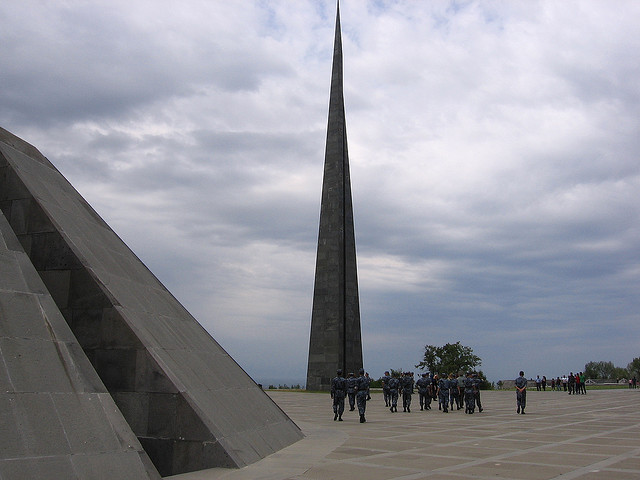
column 56, row 417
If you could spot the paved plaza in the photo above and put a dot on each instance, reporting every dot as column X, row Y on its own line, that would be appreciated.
column 587, row 437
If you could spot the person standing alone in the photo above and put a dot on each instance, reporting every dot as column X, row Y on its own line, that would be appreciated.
column 521, row 393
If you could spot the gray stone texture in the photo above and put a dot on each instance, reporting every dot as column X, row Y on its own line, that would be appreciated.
column 188, row 402
column 335, row 340
column 57, row 419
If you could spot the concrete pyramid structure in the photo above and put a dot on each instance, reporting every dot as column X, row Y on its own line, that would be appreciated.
column 335, row 340
column 186, row 404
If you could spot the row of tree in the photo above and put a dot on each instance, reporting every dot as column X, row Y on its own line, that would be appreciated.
column 608, row 370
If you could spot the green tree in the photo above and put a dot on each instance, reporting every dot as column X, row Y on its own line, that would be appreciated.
column 600, row 370
column 634, row 367
column 450, row 358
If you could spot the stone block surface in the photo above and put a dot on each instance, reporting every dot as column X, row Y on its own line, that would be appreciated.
column 54, row 410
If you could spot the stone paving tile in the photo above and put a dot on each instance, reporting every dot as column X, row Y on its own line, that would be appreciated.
column 552, row 458
column 516, row 471
column 342, row 470
column 610, row 450
column 419, row 462
column 465, row 451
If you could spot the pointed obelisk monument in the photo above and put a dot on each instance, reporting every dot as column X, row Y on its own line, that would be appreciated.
column 335, row 320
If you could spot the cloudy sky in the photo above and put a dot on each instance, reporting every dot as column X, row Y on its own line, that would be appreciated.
column 494, row 162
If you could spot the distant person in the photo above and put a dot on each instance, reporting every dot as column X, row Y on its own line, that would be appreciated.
column 544, row 383
column 635, row 382
column 571, row 382
column 351, row 391
column 460, row 379
column 338, row 393
column 434, row 387
column 422, row 384
column 362, row 389
column 368, row 389
column 553, row 384
column 538, row 383
column 583, row 383
column 407, row 390
column 385, row 389
column 454, row 392
column 477, row 381
column 578, row 387
column 565, row 382
column 394, row 384
column 558, row 383
column 521, row 393
column 443, row 393
column 469, row 394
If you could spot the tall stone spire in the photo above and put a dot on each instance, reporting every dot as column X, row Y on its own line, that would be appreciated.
column 335, row 320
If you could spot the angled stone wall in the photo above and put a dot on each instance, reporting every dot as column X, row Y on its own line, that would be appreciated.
column 57, row 419
column 190, row 405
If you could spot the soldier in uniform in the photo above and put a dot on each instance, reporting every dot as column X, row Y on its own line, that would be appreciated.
column 385, row 389
column 434, row 388
column 394, row 383
column 521, row 393
column 351, row 391
column 423, row 392
column 407, row 391
column 476, row 394
column 443, row 392
column 338, row 392
column 454, row 393
column 362, row 391
column 469, row 394
column 461, row 387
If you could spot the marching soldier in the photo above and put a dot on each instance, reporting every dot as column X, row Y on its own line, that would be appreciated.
column 423, row 392
column 385, row 389
column 362, row 391
column 469, row 394
column 407, row 391
column 476, row 394
column 338, row 392
column 351, row 391
column 394, row 383
column 443, row 393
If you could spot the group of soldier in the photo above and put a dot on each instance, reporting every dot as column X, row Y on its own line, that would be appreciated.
column 448, row 390
column 459, row 392
column 355, row 388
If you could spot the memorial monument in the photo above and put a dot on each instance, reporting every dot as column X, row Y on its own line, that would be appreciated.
column 103, row 373
column 335, row 340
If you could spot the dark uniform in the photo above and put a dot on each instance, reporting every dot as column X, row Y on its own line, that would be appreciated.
column 338, row 392
column 385, row 389
column 476, row 394
column 454, row 394
column 362, row 392
column 407, row 391
column 394, row 383
column 521, row 393
column 351, row 391
column 443, row 393
column 434, row 388
column 423, row 392
column 469, row 394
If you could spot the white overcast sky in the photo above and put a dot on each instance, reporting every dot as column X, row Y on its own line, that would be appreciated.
column 494, row 150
